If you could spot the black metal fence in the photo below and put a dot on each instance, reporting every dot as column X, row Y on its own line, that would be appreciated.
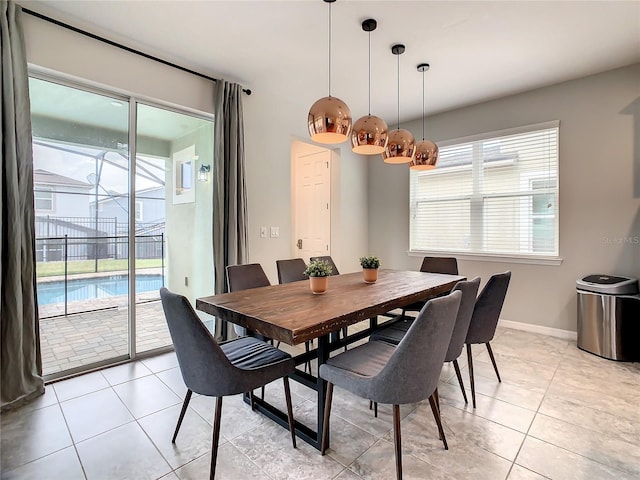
column 68, row 249
column 92, row 239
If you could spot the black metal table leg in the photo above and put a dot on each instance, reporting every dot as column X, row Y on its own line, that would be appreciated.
column 321, row 385
column 325, row 346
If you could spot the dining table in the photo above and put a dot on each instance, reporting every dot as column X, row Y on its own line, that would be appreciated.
column 292, row 314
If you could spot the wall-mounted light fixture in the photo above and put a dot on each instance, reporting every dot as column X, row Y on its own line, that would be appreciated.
column 203, row 173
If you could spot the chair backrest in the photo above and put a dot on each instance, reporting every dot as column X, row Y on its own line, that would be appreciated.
column 469, row 291
column 487, row 309
column 327, row 258
column 413, row 371
column 204, row 366
column 291, row 270
column 242, row 277
column 448, row 265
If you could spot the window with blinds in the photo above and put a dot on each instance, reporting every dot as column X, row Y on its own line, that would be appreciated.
column 493, row 194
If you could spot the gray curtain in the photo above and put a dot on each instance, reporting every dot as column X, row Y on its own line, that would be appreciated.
column 21, row 361
column 230, row 223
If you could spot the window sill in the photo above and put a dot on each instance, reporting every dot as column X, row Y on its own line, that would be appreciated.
column 488, row 257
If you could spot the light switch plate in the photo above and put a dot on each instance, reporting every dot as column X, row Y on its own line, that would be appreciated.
column 275, row 232
column 263, row 232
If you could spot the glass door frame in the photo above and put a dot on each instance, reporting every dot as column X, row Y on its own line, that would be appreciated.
column 133, row 101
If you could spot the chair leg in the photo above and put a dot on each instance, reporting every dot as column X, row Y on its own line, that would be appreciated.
column 397, row 440
column 185, row 404
column 287, row 397
column 373, row 406
column 251, row 400
column 437, row 399
column 436, row 415
column 493, row 360
column 216, row 437
column 460, row 382
column 325, row 421
column 473, row 385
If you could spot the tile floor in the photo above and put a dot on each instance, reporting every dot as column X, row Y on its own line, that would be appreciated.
column 559, row 413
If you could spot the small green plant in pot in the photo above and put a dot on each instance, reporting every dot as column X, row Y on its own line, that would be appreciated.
column 370, row 267
column 319, row 272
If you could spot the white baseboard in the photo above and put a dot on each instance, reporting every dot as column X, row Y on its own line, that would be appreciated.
column 529, row 327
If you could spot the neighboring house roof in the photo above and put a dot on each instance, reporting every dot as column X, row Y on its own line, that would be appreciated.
column 43, row 177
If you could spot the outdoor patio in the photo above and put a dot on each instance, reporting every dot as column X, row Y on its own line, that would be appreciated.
column 84, row 338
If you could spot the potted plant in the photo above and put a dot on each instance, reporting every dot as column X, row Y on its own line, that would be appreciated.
column 370, row 267
column 318, row 271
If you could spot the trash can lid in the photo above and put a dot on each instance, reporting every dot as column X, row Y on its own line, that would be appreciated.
column 609, row 284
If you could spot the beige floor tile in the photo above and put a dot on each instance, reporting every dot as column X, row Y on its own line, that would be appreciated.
column 589, row 418
column 521, row 473
column 269, row 446
column 503, row 413
column 231, row 464
column 559, row 464
column 604, row 448
column 378, row 463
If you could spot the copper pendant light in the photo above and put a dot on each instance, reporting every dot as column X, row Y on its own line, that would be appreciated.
column 370, row 133
column 426, row 151
column 401, row 147
column 329, row 118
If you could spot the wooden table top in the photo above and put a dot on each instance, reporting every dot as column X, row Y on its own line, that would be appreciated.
column 292, row 314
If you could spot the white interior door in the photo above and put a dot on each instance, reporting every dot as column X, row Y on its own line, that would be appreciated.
column 312, row 203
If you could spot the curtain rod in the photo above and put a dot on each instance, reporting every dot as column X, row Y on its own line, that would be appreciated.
column 119, row 45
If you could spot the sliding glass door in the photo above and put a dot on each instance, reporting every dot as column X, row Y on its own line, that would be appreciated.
column 107, row 227
column 173, row 214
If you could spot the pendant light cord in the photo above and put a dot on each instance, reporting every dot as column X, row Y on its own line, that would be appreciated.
column 329, row 49
column 423, row 105
column 398, row 92
column 369, row 73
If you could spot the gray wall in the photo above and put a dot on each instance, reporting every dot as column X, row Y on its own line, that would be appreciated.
column 599, row 190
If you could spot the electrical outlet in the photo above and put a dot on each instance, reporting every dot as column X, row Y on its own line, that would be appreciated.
column 263, row 232
column 275, row 232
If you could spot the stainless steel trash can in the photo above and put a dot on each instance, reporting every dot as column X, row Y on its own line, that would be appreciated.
column 609, row 317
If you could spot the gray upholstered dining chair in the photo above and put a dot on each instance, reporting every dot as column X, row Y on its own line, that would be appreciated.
column 243, row 277
column 406, row 373
column 447, row 265
column 218, row 370
column 292, row 270
column 394, row 333
column 484, row 321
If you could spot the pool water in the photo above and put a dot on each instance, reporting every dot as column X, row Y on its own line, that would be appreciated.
column 95, row 287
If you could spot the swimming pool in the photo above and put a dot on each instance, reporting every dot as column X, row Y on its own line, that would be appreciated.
column 95, row 287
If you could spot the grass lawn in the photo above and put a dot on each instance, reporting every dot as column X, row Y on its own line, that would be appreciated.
column 48, row 269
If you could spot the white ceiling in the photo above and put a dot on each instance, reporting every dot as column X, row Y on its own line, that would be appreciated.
column 477, row 50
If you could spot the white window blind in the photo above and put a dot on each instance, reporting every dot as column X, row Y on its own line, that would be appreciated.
column 493, row 194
